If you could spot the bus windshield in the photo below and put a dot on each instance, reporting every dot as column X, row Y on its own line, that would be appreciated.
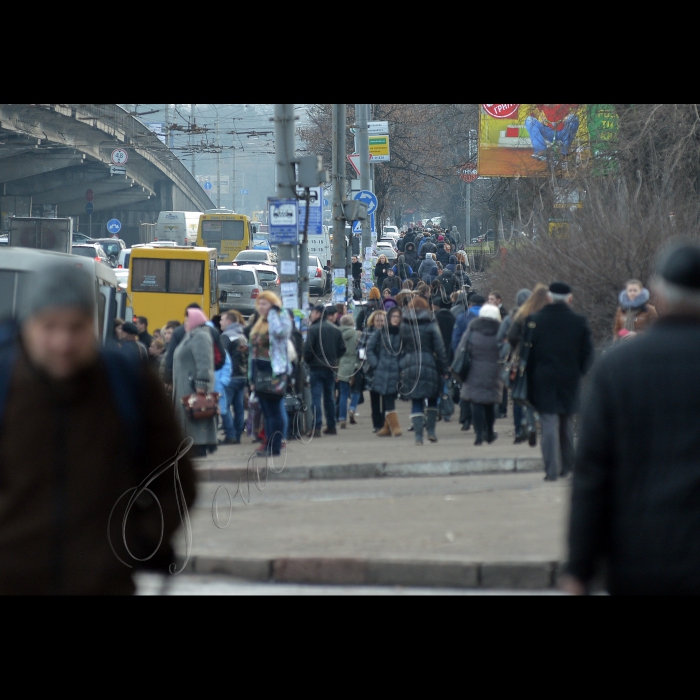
column 216, row 231
column 173, row 276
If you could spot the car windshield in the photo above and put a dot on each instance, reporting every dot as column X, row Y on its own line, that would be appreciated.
column 243, row 277
column 111, row 247
column 85, row 252
column 267, row 275
column 256, row 255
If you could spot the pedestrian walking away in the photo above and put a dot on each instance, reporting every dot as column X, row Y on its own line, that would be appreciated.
column 193, row 372
column 268, row 362
column 561, row 353
column 349, row 375
column 483, row 386
column 384, row 352
column 635, row 509
column 236, row 345
column 323, row 349
column 423, row 367
column 375, row 324
column 66, row 486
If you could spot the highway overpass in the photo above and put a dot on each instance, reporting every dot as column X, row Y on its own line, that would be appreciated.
column 51, row 155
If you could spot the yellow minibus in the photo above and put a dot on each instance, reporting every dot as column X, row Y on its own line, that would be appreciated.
column 228, row 232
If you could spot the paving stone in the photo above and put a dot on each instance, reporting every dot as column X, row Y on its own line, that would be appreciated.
column 320, row 570
column 529, row 576
column 422, row 573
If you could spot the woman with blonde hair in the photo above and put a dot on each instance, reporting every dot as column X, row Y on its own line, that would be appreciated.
column 537, row 301
column 375, row 324
column 381, row 270
column 269, row 367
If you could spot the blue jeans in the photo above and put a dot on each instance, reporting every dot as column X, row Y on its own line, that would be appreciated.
column 322, row 390
column 418, row 405
column 235, row 395
column 275, row 418
column 523, row 417
column 344, row 394
column 542, row 135
column 225, row 413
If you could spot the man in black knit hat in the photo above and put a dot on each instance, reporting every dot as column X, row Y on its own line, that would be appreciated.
column 561, row 354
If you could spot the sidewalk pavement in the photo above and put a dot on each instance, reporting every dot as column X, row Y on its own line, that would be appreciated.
column 489, row 531
column 357, row 453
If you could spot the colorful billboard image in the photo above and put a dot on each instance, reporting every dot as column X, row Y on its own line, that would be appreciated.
column 522, row 140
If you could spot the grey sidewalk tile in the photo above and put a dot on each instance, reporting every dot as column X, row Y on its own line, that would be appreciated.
column 422, row 573
column 529, row 464
column 517, row 576
column 348, row 571
column 347, row 471
column 482, row 466
column 250, row 569
column 418, row 469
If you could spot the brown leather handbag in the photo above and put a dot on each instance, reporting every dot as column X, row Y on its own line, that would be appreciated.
column 201, row 406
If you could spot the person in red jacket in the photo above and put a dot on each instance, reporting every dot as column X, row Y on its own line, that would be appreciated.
column 552, row 124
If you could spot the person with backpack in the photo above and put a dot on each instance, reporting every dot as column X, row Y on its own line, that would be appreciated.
column 65, row 489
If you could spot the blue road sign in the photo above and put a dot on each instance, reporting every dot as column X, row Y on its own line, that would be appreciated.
column 369, row 198
column 89, row 207
column 357, row 225
column 244, row 191
column 208, row 185
column 325, row 202
column 283, row 221
column 315, row 227
column 114, row 226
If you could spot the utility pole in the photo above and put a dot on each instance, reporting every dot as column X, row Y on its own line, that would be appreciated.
column 286, row 180
column 339, row 187
column 233, row 180
column 167, row 125
column 363, row 150
column 192, row 124
column 218, row 166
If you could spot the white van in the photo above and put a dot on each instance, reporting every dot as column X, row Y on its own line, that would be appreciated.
column 178, row 226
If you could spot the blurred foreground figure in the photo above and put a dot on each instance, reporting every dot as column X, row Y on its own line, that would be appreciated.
column 80, row 428
column 636, row 490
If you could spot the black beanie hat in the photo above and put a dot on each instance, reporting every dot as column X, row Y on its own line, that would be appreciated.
column 559, row 288
column 681, row 265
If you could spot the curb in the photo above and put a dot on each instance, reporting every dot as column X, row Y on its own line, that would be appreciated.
column 459, row 467
column 539, row 575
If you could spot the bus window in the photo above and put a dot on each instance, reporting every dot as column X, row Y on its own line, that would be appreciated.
column 149, row 275
column 211, row 233
column 233, row 230
column 186, row 277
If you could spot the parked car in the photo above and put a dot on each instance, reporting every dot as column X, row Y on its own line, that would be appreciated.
column 384, row 248
column 112, row 246
column 91, row 250
column 242, row 286
column 4, row 240
column 392, row 230
column 319, row 277
column 123, row 259
column 255, row 257
column 269, row 277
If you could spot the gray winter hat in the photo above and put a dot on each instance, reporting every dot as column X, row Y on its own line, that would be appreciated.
column 522, row 297
column 59, row 285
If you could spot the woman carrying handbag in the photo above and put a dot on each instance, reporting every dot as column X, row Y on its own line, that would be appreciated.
column 193, row 376
column 269, row 368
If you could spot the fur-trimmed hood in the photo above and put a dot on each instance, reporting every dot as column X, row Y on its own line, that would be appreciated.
column 627, row 305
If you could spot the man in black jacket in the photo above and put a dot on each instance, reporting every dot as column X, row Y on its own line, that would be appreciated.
column 636, row 487
column 561, row 354
column 323, row 349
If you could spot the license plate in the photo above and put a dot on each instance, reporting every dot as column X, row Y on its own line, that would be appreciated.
column 234, row 294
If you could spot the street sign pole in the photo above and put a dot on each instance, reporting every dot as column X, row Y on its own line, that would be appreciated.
column 363, row 150
column 339, row 186
column 284, row 157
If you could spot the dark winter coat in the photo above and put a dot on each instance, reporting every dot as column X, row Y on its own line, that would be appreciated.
column 425, row 360
column 446, row 323
column 463, row 321
column 356, row 270
column 460, row 306
column 410, row 254
column 324, row 345
column 380, row 272
column 390, row 282
column 401, row 244
column 447, row 282
column 638, row 315
column 365, row 312
column 561, row 354
column 636, row 485
column 442, row 255
column 383, row 355
column 65, row 462
column 483, row 383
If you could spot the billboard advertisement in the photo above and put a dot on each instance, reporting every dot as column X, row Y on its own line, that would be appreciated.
column 524, row 140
